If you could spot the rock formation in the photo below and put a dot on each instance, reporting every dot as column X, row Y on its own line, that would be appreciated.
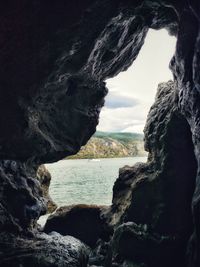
column 156, row 196
column 44, row 177
column 151, row 212
column 55, row 57
column 81, row 221
column 43, row 250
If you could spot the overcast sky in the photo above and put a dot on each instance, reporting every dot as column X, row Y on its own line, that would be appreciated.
column 131, row 93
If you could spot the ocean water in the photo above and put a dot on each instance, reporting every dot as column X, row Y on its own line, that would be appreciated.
column 83, row 181
column 86, row 181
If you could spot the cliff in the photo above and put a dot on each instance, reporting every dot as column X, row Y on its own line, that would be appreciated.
column 112, row 145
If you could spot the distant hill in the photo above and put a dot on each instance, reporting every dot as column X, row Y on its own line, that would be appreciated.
column 111, row 145
column 122, row 137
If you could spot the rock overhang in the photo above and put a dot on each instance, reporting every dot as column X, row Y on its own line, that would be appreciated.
column 56, row 58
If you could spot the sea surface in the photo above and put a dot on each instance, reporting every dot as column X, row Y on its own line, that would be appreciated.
column 83, row 181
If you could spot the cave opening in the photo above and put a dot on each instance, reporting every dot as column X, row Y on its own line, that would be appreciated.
column 132, row 92
column 56, row 60
column 122, row 119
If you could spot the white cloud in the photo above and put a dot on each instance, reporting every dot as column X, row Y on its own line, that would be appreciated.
column 132, row 92
column 116, row 100
column 121, row 118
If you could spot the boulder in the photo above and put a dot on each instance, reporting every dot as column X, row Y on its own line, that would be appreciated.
column 81, row 221
column 42, row 250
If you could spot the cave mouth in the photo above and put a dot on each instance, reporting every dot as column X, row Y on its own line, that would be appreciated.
column 132, row 92
column 130, row 96
column 55, row 61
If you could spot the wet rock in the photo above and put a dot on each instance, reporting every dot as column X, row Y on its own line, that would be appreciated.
column 81, row 221
column 43, row 250
column 44, row 177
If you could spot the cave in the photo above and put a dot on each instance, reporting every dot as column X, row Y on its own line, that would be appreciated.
column 127, row 104
column 55, row 57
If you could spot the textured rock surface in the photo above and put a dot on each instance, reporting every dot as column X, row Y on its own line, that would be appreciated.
column 101, row 254
column 136, row 244
column 22, row 201
column 55, row 60
column 55, row 57
column 43, row 250
column 158, row 194
column 44, row 177
column 81, row 221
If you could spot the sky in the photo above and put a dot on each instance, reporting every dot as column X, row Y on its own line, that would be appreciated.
column 131, row 93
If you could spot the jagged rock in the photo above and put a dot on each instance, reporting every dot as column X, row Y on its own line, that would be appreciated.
column 135, row 243
column 54, row 89
column 81, row 221
column 158, row 193
column 44, row 177
column 43, row 250
column 101, row 255
column 122, row 192
column 22, row 202
column 54, row 59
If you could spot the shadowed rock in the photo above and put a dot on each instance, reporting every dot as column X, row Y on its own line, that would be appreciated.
column 136, row 244
column 81, row 221
column 22, row 201
column 64, row 51
column 55, row 57
column 43, row 250
column 158, row 194
column 44, row 177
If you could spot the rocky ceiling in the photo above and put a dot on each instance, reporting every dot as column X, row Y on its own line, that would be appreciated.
column 56, row 57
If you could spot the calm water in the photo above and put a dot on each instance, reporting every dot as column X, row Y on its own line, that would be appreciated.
column 86, row 181
column 83, row 181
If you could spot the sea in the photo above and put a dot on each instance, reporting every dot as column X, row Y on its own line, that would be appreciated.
column 85, row 181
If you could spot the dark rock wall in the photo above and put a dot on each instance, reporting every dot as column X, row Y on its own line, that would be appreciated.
column 185, row 66
column 55, row 57
column 81, row 221
column 22, row 201
column 157, row 195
